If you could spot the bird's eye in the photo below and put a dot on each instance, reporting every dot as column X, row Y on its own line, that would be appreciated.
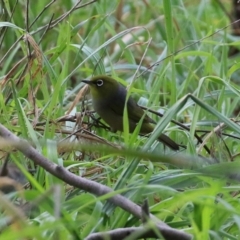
column 99, row 82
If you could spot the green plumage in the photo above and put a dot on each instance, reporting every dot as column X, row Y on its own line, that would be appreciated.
column 109, row 96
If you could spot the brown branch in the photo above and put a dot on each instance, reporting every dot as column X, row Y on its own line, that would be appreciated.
column 85, row 184
column 139, row 233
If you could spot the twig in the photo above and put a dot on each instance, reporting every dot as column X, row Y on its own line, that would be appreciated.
column 180, row 125
column 214, row 131
column 192, row 44
column 10, row 49
column 141, row 232
column 62, row 17
column 46, row 30
column 85, row 184
column 39, row 15
column 86, row 4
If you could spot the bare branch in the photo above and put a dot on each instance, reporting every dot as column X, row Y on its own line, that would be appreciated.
column 140, row 232
column 84, row 184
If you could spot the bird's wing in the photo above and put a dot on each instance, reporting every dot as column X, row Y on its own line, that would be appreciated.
column 135, row 113
column 138, row 112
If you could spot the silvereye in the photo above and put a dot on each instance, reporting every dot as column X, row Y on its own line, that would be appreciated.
column 108, row 98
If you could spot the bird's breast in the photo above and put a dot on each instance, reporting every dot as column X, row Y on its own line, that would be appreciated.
column 107, row 112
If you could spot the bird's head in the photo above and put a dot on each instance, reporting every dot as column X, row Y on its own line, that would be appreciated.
column 102, row 86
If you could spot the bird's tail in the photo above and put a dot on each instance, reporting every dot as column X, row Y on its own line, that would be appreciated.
column 148, row 128
column 168, row 141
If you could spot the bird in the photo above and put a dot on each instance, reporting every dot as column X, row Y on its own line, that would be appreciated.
column 108, row 99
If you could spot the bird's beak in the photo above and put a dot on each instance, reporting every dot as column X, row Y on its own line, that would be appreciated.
column 86, row 81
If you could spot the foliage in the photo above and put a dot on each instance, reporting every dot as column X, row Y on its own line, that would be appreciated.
column 174, row 54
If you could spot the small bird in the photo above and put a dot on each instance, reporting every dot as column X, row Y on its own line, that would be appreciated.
column 108, row 98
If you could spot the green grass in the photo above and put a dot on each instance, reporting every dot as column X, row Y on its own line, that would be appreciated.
column 191, row 79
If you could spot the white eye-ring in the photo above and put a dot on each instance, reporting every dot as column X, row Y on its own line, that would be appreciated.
column 99, row 82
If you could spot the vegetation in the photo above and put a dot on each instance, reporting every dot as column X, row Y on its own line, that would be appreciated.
column 174, row 58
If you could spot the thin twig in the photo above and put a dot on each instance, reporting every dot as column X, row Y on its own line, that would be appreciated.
column 188, row 46
column 180, row 125
column 62, row 17
column 85, row 184
column 139, row 233
column 40, row 14
column 46, row 30
column 10, row 49
column 86, row 4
